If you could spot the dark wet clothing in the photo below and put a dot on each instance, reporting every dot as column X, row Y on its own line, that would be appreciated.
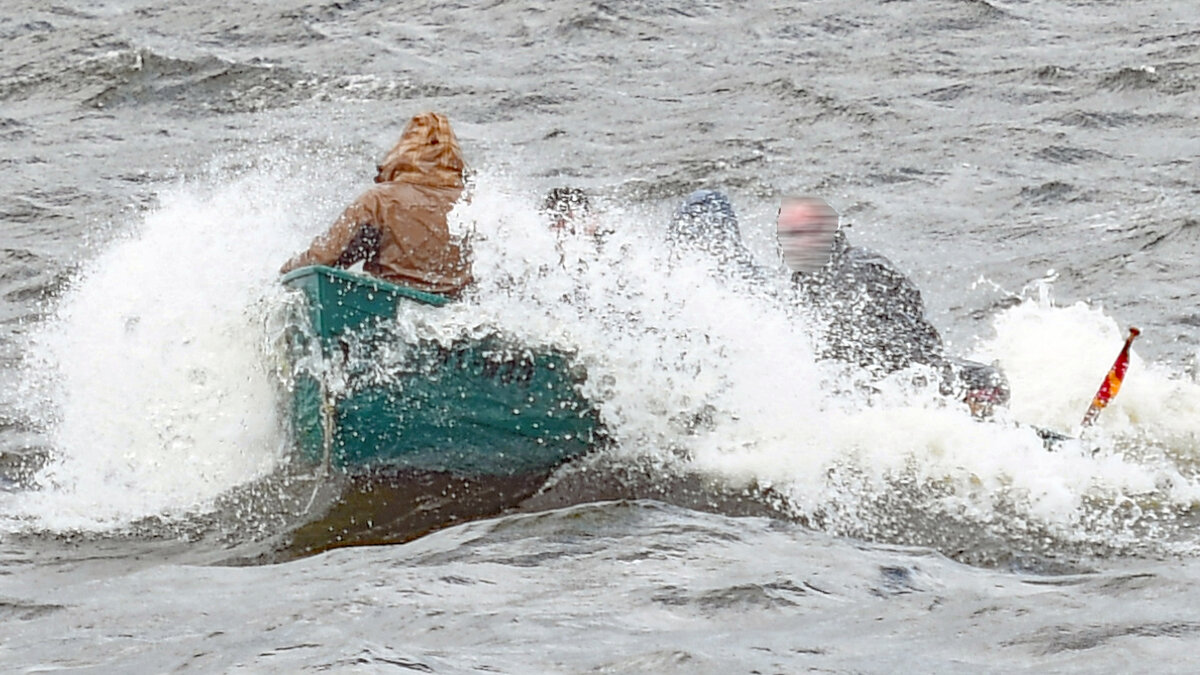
column 706, row 225
column 867, row 312
column 870, row 314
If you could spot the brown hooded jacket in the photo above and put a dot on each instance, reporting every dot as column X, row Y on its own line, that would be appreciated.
column 398, row 227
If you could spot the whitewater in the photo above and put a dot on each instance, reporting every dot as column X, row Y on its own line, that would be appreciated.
column 756, row 510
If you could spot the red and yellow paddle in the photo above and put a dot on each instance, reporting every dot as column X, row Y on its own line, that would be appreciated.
column 1112, row 382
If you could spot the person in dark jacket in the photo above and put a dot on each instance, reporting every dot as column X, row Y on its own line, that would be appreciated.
column 868, row 312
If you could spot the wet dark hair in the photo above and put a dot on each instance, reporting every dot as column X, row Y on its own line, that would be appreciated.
column 562, row 202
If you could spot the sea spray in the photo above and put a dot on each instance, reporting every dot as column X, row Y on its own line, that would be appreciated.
column 156, row 392
column 691, row 373
column 694, row 374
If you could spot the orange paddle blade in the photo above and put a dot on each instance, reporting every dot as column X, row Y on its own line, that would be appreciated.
column 1112, row 382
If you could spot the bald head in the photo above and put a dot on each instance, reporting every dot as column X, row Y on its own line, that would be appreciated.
column 806, row 226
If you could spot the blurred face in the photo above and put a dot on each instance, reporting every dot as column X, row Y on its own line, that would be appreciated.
column 569, row 213
column 805, row 228
column 563, row 219
column 574, row 222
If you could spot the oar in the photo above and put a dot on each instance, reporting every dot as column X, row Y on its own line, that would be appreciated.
column 1112, row 382
column 1108, row 390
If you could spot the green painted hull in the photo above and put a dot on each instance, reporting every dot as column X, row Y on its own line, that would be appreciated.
column 478, row 407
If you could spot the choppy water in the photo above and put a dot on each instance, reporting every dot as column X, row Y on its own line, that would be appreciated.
column 1031, row 165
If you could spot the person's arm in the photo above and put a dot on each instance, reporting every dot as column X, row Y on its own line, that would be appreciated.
column 329, row 247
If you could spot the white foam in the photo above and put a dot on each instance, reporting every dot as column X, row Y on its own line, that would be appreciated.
column 1057, row 357
column 159, row 393
column 163, row 399
column 685, row 366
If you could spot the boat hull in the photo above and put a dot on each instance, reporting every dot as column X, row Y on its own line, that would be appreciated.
column 476, row 407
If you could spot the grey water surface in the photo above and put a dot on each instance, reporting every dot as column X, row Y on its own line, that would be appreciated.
column 1008, row 141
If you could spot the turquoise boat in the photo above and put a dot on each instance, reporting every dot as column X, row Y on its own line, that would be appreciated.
column 364, row 398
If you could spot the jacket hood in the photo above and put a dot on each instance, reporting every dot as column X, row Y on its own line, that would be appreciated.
column 427, row 154
column 706, row 223
column 705, row 220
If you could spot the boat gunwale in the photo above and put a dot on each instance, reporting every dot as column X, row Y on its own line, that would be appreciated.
column 374, row 282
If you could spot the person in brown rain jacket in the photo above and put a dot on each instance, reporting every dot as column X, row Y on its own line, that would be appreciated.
column 398, row 227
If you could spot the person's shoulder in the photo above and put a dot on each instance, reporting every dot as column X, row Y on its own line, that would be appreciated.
column 413, row 195
column 869, row 266
column 391, row 188
column 861, row 256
